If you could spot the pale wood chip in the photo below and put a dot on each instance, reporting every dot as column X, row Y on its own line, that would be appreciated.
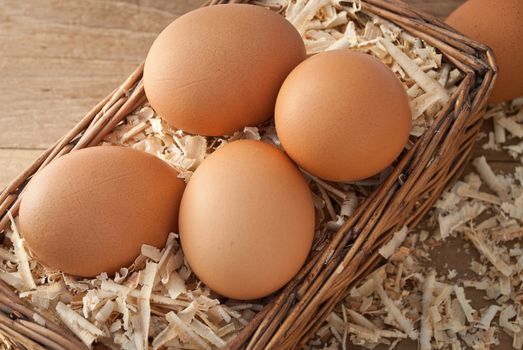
column 426, row 326
column 24, row 269
column 414, row 71
column 488, row 316
column 492, row 181
column 464, row 191
column 183, row 327
column 508, row 313
column 82, row 328
column 405, row 324
column 484, row 248
column 361, row 320
column 397, row 239
column 464, row 304
column 302, row 17
column 511, row 126
column 450, row 222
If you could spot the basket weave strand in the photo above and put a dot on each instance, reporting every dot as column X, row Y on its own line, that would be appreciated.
column 295, row 313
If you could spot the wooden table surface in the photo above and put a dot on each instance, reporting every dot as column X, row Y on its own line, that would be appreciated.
column 59, row 58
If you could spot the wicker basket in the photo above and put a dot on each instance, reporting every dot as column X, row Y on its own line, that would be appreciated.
column 297, row 311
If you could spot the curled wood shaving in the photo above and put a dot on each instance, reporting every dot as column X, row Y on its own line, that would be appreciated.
column 82, row 328
column 144, row 303
column 167, row 334
column 405, row 324
column 301, row 19
column 452, row 221
column 492, row 181
column 151, row 252
column 184, row 328
column 360, row 319
column 24, row 270
column 426, row 326
column 511, row 126
column 13, row 279
column 488, row 316
column 423, row 80
column 105, row 312
column 388, row 249
column 370, row 284
column 515, row 210
column 508, row 313
column 465, row 191
column 499, row 132
column 464, row 304
column 492, row 143
column 482, row 246
column 367, row 334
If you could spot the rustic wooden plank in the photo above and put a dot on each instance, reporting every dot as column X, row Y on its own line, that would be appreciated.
column 136, row 16
column 170, row 6
column 58, row 59
column 14, row 161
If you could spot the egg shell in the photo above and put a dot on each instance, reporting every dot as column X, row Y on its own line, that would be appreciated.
column 343, row 115
column 246, row 220
column 90, row 211
column 498, row 24
column 217, row 69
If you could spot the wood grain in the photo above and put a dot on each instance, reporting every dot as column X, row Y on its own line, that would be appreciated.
column 57, row 59
column 13, row 161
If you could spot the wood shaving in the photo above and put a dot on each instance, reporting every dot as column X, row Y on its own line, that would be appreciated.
column 483, row 247
column 511, row 126
column 428, row 84
column 404, row 323
column 426, row 331
column 82, row 328
column 24, row 270
column 468, row 311
column 492, row 181
column 499, row 132
column 388, row 249
column 451, row 222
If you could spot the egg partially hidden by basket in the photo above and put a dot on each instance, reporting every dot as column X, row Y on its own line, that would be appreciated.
column 343, row 115
column 217, row 69
column 498, row 24
column 246, row 220
column 90, row 211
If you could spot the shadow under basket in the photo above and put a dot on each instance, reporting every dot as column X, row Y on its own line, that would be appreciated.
column 295, row 313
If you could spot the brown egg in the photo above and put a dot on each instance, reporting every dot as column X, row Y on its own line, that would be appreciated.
column 498, row 24
column 343, row 116
column 218, row 69
column 246, row 220
column 90, row 211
